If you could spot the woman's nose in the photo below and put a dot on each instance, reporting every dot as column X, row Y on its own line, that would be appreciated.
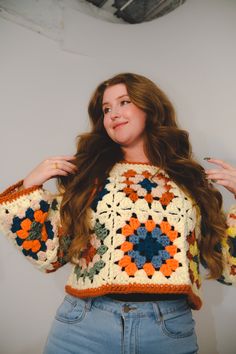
column 115, row 113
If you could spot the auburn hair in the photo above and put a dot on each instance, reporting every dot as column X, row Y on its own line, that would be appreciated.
column 166, row 146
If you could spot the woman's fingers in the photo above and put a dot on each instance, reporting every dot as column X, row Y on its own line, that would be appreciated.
column 215, row 174
column 66, row 157
column 220, row 163
column 225, row 175
column 63, row 165
column 230, row 185
column 50, row 168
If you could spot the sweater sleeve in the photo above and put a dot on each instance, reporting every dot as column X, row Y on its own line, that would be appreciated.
column 228, row 249
column 31, row 219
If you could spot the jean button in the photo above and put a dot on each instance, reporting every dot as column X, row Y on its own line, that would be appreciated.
column 128, row 308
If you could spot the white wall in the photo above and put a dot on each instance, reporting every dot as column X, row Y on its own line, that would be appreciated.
column 44, row 90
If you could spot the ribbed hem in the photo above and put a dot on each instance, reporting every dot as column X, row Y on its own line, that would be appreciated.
column 193, row 300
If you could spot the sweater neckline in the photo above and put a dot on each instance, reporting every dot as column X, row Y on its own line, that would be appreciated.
column 136, row 163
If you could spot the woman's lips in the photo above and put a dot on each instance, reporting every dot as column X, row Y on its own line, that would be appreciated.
column 120, row 124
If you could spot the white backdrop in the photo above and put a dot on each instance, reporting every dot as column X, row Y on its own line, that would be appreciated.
column 44, row 90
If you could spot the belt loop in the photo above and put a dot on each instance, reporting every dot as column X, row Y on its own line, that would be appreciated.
column 157, row 311
column 88, row 303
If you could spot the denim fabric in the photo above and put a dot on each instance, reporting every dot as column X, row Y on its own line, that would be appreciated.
column 105, row 326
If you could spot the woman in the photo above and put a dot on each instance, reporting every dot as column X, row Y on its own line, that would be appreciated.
column 135, row 216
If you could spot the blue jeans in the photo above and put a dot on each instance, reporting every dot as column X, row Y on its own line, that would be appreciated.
column 105, row 326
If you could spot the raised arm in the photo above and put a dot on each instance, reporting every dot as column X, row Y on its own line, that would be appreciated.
column 225, row 175
column 29, row 216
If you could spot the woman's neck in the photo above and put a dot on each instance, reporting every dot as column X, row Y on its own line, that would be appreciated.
column 135, row 154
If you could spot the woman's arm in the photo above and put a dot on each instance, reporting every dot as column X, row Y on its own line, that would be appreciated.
column 229, row 249
column 30, row 217
column 225, row 175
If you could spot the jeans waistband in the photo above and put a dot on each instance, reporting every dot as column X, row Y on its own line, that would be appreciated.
column 141, row 297
column 143, row 309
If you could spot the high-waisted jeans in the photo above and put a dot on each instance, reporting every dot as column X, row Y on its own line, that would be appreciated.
column 103, row 325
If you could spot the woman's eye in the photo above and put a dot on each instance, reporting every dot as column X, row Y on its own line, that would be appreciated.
column 124, row 102
column 106, row 110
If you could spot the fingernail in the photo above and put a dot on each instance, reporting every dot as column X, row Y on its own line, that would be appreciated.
column 207, row 158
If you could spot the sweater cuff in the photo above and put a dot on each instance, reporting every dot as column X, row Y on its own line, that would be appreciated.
column 14, row 191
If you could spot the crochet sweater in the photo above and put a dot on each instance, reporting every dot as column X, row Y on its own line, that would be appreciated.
column 145, row 235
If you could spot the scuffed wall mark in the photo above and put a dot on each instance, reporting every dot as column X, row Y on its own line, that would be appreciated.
column 41, row 16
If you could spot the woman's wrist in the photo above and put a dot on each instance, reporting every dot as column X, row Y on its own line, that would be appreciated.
column 26, row 185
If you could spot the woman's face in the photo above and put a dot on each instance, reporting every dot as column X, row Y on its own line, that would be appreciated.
column 123, row 120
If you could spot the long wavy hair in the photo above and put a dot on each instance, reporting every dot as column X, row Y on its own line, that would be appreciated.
column 166, row 146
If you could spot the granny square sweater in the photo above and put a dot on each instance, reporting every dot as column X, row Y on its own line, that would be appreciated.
column 145, row 235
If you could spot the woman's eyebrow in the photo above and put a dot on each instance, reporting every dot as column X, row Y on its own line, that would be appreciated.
column 117, row 98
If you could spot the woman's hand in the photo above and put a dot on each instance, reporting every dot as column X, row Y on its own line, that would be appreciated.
column 225, row 175
column 49, row 168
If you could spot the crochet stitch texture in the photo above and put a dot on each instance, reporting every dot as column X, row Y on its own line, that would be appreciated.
column 145, row 235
